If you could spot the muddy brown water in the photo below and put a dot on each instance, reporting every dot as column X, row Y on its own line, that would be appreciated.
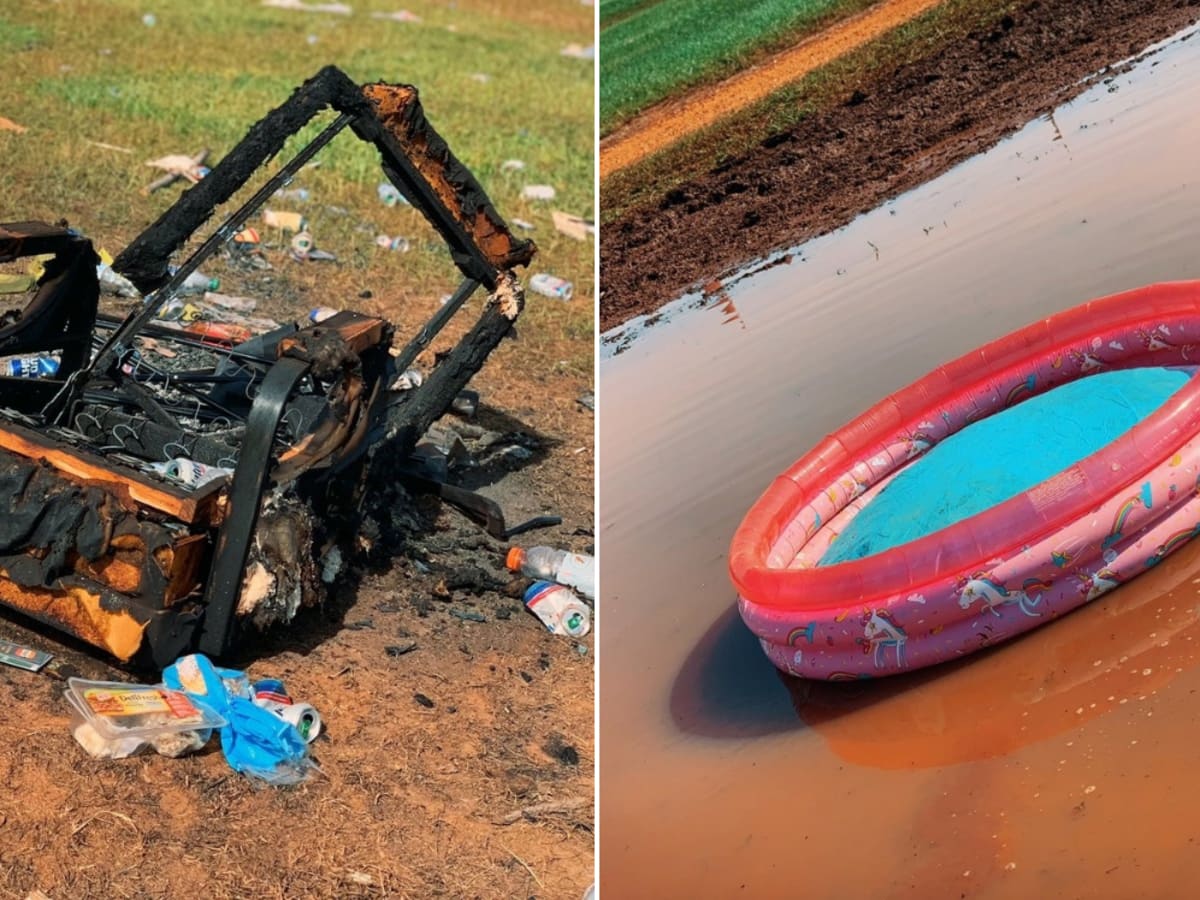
column 1062, row 764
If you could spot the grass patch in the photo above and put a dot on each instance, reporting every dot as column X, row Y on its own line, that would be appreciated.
column 645, row 183
column 491, row 79
column 15, row 37
column 653, row 50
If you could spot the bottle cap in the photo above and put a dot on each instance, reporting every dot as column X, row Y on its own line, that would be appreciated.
column 515, row 557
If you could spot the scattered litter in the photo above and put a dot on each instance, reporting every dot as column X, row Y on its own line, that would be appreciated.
column 189, row 472
column 305, row 250
column 400, row 15
column 41, row 366
column 112, row 720
column 255, row 741
column 155, row 347
column 538, row 192
column 468, row 615
column 114, row 283
column 577, row 570
column 423, row 700
column 299, row 194
column 512, row 165
column 10, row 125
column 195, row 283
column 247, row 238
column 104, row 146
column 390, row 194
column 321, row 313
column 271, row 695
column 284, row 221
column 400, row 649
column 578, row 51
column 523, row 225
column 398, row 243
column 481, row 77
column 407, row 380
column 587, row 400
column 573, row 226
column 22, row 657
column 340, row 9
column 551, row 286
column 559, row 609
column 177, row 165
column 149, row 20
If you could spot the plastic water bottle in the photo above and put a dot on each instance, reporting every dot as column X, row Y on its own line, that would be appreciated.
column 30, row 366
column 196, row 283
column 578, row 570
column 114, row 283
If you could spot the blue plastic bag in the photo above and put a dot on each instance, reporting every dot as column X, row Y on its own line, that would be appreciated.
column 255, row 741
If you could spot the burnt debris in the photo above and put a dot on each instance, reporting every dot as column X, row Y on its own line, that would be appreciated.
column 105, row 535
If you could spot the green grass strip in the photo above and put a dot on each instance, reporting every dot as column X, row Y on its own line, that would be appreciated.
column 645, row 183
column 655, row 50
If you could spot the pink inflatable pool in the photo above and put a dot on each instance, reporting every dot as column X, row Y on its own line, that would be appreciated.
column 1016, row 565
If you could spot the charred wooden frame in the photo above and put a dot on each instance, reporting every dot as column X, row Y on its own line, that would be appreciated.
column 100, row 545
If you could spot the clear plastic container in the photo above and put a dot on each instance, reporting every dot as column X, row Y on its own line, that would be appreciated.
column 118, row 711
column 577, row 570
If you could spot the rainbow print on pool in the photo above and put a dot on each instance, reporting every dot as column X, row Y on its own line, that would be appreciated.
column 828, row 602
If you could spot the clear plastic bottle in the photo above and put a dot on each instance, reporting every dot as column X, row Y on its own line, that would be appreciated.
column 577, row 570
column 196, row 283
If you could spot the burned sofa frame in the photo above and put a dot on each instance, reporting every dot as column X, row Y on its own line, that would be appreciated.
column 94, row 540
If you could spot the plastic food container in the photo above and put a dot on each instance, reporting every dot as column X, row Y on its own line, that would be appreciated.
column 112, row 720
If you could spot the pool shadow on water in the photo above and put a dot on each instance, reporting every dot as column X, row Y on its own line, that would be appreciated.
column 727, row 688
column 1053, row 679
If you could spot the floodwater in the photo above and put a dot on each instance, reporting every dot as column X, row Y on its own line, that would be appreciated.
column 1059, row 765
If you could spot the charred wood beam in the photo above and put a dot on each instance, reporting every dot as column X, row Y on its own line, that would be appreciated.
column 408, row 420
column 414, row 155
column 144, row 261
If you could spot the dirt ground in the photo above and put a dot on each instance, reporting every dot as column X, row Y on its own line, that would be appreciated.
column 448, row 707
column 886, row 136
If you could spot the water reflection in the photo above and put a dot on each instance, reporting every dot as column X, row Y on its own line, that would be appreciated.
column 1124, row 646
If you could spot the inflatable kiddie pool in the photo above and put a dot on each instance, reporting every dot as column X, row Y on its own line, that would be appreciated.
column 1013, row 566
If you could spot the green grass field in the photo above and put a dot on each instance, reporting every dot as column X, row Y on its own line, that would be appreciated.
column 643, row 184
column 491, row 77
column 652, row 50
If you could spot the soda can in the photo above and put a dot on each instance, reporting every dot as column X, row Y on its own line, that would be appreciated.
column 31, row 366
